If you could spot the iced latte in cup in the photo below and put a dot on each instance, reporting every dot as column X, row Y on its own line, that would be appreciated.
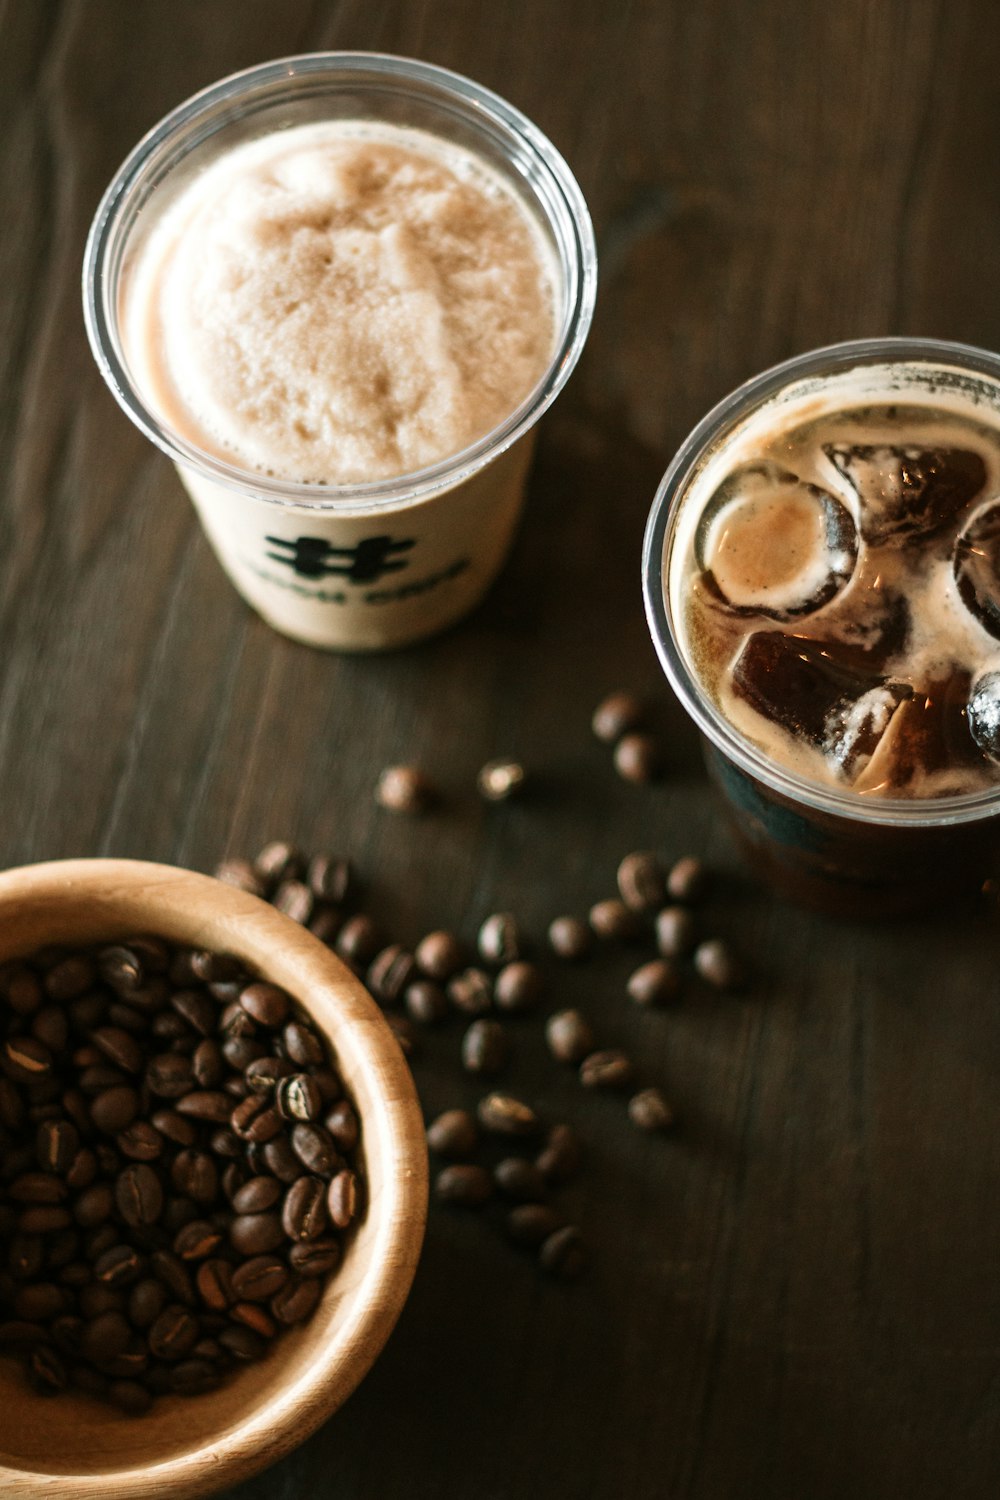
column 339, row 290
column 822, row 576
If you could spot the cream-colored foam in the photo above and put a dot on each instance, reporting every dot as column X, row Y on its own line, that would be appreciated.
column 338, row 302
column 873, row 405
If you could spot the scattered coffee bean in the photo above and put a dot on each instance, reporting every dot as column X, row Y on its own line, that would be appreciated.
column 342, row 1199
column 484, row 1047
column 471, row 992
column 439, row 955
column 570, row 938
column 278, row 861
column 655, row 983
column 453, row 1135
column 719, row 965
column 649, row 1110
column 675, row 931
column 405, row 1033
column 404, row 789
column 241, row 874
column 642, row 882
column 502, row 1114
column 616, row 715
column 426, row 1002
column 390, row 972
column 518, row 987
column 530, row 1224
column 466, row 1186
column 499, row 939
column 295, row 900
column 609, row 1069
column 358, row 940
column 570, row 1036
column 562, row 1254
column 637, row 758
column 331, row 879
column 521, row 1180
column 500, row 779
column 613, row 922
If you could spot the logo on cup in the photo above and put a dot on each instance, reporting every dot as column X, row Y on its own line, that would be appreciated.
column 314, row 557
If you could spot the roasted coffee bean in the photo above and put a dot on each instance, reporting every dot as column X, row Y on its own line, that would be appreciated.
column 258, row 1279
column 256, row 1196
column 174, row 1333
column 484, row 1047
column 405, row 1033
column 467, row 1186
column 175, row 1127
column 173, row 1273
column 139, row 1195
column 119, row 1266
column 70, row 978
column 101, row 1077
column 330, row 879
column 140, row 1141
column 95, row 1299
column 241, row 874
column 499, row 780
column 240, row 1051
column 214, row 1281
column 316, row 1148
column 267, row 1004
column 208, row 1064
column 518, row 987
column 146, row 1301
column 296, row 1300
column 280, row 1159
column 502, row 1114
column 197, row 1239
column 195, row 1174
column 37, row 1187
column 11, row 1106
column 24, row 991
column 26, row 1060
column 655, row 983
column 570, row 938
column 169, row 1075
column 613, row 922
column 236, row 1022
column 642, row 882
column 675, row 931
column 616, row 715
column 342, row 1125
column 609, row 1069
column 251, row 1315
column 214, row 968
column 43, row 1219
column 122, row 968
column 439, row 955
column 62, row 1248
column 96, row 1241
column 50, row 1026
column 303, row 1213
column 471, row 992
column 67, row 1334
column 278, row 861
column 649, row 1110
column 256, row 1118
column 118, row 1045
column 206, row 1104
column 25, row 1256
column 520, row 1179
column 82, row 1169
column 426, row 1002
column 499, row 939
column 295, row 899
column 559, row 1158
column 264, row 1072
column 454, row 1135
column 171, row 1028
column 17, row 1336
column 562, row 1255
column 689, row 879
column 104, row 1337
column 302, row 1046
column 130, row 1397
column 39, row 1301
column 637, row 757
column 47, row 1369
column 404, row 789
column 570, row 1036
column 325, row 923
column 94, row 1205
column 255, row 1234
column 358, row 940
column 530, row 1224
column 128, row 1018
column 342, row 1199
column 314, row 1257
column 390, row 972
column 718, row 964
column 197, row 1009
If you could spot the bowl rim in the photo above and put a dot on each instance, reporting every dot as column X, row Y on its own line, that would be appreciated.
column 299, row 1408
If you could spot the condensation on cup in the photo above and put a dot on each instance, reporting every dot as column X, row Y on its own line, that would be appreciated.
column 359, row 479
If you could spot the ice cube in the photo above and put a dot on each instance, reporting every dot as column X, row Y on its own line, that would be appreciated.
column 984, row 713
column 806, row 686
column 769, row 544
column 854, row 727
column 927, row 736
column 907, row 492
column 977, row 568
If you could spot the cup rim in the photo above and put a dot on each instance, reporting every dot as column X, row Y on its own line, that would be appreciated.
column 827, row 359
column 575, row 244
column 186, row 902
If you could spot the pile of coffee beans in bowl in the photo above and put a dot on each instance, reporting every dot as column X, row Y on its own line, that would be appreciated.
column 179, row 1164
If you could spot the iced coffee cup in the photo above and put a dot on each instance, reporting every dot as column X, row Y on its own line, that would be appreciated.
column 338, row 291
column 822, row 582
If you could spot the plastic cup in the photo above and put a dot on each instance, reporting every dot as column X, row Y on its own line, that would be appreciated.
column 377, row 564
column 827, row 847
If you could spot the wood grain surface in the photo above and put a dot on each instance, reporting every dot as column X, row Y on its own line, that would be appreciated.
column 796, row 1296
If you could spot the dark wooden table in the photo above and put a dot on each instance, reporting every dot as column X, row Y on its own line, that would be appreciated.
column 796, row 1296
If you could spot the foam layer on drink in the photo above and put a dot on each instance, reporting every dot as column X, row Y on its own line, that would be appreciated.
column 340, row 302
column 834, row 572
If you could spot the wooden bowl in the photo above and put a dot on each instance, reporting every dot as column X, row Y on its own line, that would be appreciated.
column 69, row 1446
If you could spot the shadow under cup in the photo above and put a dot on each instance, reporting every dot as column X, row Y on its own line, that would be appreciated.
column 822, row 845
